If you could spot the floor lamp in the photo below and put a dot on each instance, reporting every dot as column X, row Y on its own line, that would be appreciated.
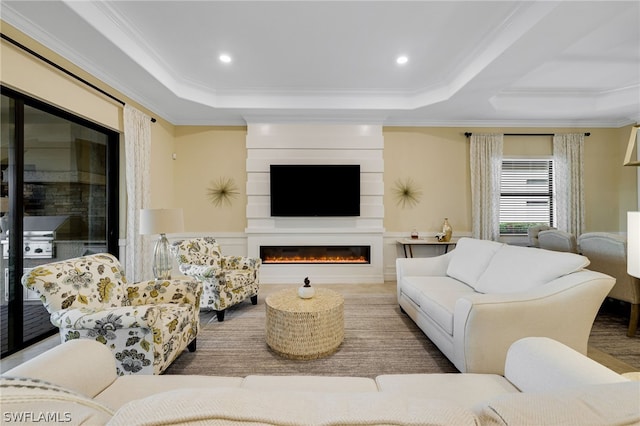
column 633, row 244
column 162, row 222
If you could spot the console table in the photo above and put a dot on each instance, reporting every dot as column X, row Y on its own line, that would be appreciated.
column 407, row 244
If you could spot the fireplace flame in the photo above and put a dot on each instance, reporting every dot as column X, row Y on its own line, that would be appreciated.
column 315, row 254
column 313, row 259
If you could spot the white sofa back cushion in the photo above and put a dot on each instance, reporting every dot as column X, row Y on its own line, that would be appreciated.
column 250, row 407
column 470, row 259
column 513, row 269
column 611, row 404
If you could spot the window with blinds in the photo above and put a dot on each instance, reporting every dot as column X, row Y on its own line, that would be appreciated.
column 526, row 195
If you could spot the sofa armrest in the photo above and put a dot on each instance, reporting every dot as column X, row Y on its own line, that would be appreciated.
column 201, row 272
column 156, row 292
column 423, row 266
column 106, row 320
column 84, row 366
column 540, row 364
column 485, row 325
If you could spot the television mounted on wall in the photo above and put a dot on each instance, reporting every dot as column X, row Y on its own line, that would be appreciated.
column 305, row 190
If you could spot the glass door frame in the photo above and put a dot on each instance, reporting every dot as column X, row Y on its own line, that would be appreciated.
column 15, row 172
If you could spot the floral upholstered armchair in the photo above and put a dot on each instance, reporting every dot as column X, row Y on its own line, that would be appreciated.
column 146, row 325
column 226, row 280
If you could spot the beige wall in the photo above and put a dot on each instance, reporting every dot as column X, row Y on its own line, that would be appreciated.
column 203, row 156
column 610, row 188
column 162, row 165
column 437, row 159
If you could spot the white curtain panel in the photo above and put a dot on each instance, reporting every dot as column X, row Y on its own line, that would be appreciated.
column 568, row 158
column 486, row 168
column 137, row 141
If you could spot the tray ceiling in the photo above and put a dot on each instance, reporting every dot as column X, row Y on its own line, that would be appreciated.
column 501, row 63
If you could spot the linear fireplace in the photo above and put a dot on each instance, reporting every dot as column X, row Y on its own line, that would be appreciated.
column 316, row 254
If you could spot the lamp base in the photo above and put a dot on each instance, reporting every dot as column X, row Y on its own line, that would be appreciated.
column 162, row 259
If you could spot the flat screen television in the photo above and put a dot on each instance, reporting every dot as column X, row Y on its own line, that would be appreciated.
column 315, row 190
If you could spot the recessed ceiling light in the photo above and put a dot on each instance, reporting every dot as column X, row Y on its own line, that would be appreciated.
column 401, row 60
column 225, row 58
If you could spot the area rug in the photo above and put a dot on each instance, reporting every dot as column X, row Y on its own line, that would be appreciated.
column 379, row 339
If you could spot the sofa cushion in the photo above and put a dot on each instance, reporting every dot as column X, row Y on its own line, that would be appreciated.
column 246, row 406
column 470, row 259
column 437, row 297
column 596, row 405
column 466, row 389
column 136, row 386
column 514, row 269
column 310, row 383
column 31, row 401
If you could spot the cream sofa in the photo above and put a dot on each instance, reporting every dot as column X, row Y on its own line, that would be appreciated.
column 545, row 382
column 478, row 299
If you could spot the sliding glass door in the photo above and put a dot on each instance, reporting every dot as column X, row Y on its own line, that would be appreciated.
column 58, row 200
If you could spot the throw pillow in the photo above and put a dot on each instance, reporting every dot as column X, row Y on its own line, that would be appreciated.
column 470, row 258
column 514, row 269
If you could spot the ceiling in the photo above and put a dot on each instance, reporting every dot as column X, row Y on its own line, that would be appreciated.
column 470, row 63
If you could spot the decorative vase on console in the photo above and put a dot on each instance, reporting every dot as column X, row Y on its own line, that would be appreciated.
column 306, row 291
column 447, row 230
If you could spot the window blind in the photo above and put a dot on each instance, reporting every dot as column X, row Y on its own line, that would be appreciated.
column 526, row 195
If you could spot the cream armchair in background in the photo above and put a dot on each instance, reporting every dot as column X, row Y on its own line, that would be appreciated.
column 226, row 280
column 146, row 325
column 556, row 240
column 608, row 254
column 533, row 232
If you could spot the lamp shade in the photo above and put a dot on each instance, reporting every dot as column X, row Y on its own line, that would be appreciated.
column 633, row 244
column 161, row 221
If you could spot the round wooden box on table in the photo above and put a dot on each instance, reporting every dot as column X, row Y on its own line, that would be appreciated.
column 305, row 328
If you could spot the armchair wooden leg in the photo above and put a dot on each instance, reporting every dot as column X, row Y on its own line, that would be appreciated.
column 192, row 346
column 254, row 300
column 633, row 320
column 220, row 315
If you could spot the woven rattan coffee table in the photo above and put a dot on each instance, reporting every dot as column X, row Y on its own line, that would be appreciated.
column 305, row 328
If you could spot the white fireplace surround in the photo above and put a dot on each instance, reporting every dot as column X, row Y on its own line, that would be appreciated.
column 316, row 144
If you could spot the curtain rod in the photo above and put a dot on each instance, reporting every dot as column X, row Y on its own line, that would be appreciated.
column 64, row 70
column 467, row 134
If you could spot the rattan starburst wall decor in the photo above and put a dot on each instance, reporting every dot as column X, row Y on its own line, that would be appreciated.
column 222, row 191
column 407, row 193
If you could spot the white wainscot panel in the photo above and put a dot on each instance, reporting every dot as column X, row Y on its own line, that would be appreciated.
column 258, row 209
column 306, row 129
column 314, row 141
column 372, row 210
column 367, row 165
column 321, row 152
